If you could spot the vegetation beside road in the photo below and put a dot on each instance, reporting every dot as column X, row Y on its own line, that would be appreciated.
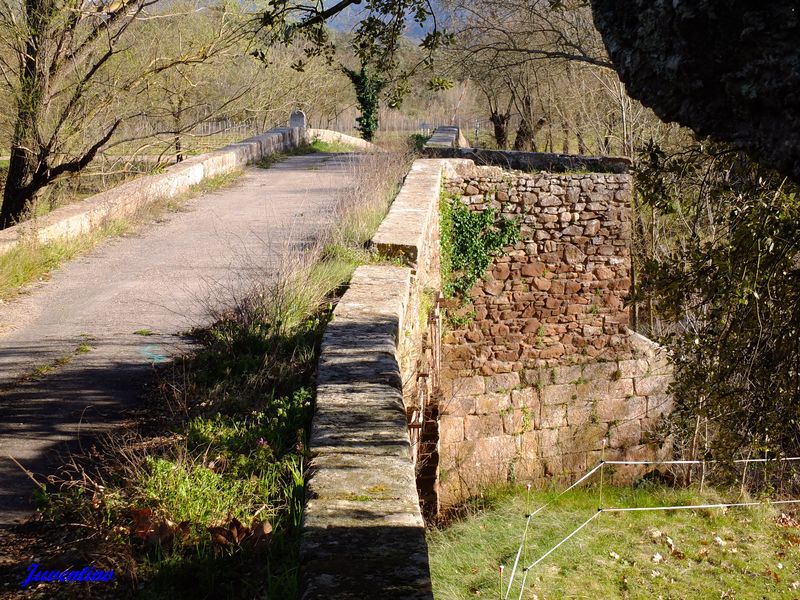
column 705, row 553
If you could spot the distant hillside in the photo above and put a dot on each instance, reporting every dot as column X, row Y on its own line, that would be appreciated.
column 349, row 18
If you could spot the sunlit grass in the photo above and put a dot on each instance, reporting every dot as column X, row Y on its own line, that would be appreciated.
column 706, row 553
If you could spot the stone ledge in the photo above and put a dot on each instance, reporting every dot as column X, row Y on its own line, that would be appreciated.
column 404, row 231
column 363, row 535
column 326, row 135
column 447, row 137
column 532, row 161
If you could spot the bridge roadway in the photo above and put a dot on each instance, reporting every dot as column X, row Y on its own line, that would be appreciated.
column 163, row 280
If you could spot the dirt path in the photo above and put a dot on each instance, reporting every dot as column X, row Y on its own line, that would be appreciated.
column 160, row 281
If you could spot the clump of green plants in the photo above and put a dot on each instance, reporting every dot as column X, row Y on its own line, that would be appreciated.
column 417, row 141
column 368, row 85
column 469, row 241
column 332, row 147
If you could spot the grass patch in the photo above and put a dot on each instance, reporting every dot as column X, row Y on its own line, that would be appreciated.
column 144, row 332
column 332, row 147
column 738, row 553
column 31, row 260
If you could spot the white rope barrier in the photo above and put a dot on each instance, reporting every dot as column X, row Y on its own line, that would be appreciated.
column 601, row 510
column 695, row 506
column 516, row 558
column 536, row 512
column 553, row 549
column 698, row 462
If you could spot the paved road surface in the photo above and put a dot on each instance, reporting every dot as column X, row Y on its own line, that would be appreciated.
column 161, row 279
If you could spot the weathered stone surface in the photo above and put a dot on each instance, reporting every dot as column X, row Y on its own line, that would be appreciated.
column 482, row 426
column 558, row 394
column 492, row 403
column 469, row 386
column 451, row 430
column 553, row 416
column 298, row 119
column 652, row 385
column 362, row 483
column 502, row 382
column 405, row 230
column 730, row 70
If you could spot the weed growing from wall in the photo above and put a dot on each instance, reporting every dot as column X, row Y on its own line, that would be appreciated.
column 469, row 241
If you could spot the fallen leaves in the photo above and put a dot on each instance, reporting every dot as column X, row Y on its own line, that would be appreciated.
column 154, row 533
column 236, row 534
column 162, row 532
column 785, row 520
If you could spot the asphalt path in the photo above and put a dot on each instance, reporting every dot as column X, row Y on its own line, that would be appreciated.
column 163, row 281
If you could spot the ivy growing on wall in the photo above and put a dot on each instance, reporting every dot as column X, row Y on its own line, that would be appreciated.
column 469, row 241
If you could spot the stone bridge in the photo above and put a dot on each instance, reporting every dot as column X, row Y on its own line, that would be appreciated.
column 542, row 378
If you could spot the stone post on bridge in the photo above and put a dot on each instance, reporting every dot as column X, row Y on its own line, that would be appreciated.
column 298, row 119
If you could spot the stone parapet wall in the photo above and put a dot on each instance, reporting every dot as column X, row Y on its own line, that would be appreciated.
column 326, row 135
column 363, row 533
column 126, row 199
column 410, row 233
column 559, row 293
column 531, row 161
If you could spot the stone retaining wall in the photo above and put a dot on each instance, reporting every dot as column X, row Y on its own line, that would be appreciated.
column 546, row 372
column 363, row 532
column 559, row 293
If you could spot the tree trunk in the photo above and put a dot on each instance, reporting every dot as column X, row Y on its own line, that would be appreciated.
column 177, row 113
column 526, row 138
column 20, row 188
column 17, row 192
column 500, row 123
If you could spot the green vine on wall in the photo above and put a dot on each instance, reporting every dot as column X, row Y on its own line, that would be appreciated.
column 469, row 241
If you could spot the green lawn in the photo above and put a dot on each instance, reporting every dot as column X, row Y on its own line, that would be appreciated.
column 707, row 553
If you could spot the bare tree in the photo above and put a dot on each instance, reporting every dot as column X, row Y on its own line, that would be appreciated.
column 68, row 64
